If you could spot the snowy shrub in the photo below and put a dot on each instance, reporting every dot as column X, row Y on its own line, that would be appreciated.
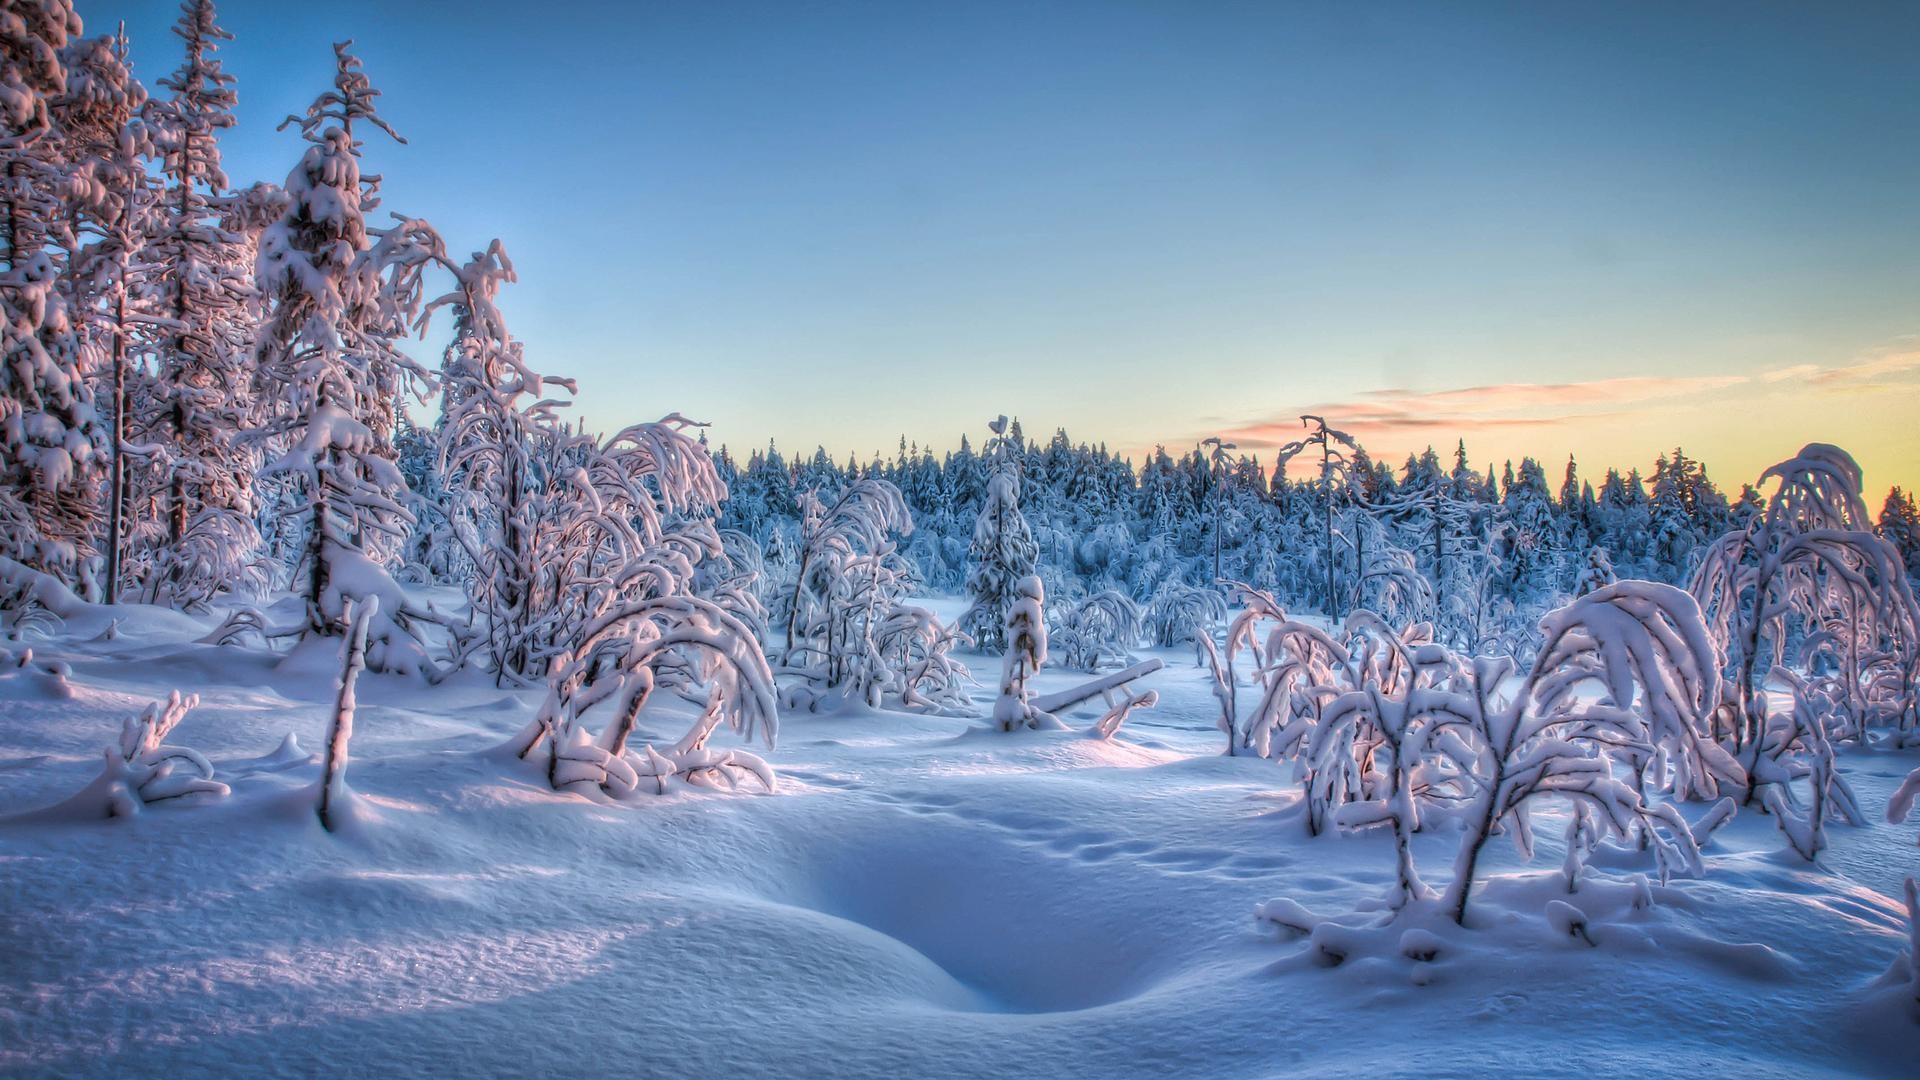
column 1596, row 575
column 1120, row 709
column 1298, row 666
column 627, row 650
column 1225, row 692
column 624, row 517
column 1180, row 614
column 857, row 521
column 1568, row 921
column 1811, row 558
column 142, row 769
column 1795, row 746
column 1099, row 626
column 736, row 579
column 1368, row 747
column 849, row 633
column 1644, row 648
column 487, row 453
column 916, row 652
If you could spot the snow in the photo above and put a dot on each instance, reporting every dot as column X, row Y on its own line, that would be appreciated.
column 920, row 896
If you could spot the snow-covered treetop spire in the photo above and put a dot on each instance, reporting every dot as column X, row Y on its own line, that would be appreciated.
column 350, row 98
column 202, row 102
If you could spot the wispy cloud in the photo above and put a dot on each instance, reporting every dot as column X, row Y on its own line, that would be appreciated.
column 1869, row 372
column 1397, row 418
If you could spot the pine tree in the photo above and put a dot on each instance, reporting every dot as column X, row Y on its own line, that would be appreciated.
column 341, row 293
column 202, row 283
column 1003, row 551
column 1900, row 526
column 51, row 435
column 110, row 202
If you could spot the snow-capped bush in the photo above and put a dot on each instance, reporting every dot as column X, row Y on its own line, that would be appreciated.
column 1644, row 648
column 627, row 650
column 1597, row 574
column 849, row 633
column 1796, row 745
column 1298, row 666
column 1095, row 628
column 916, row 651
column 1181, row 614
column 1120, row 709
column 1811, row 559
column 142, row 769
column 500, row 501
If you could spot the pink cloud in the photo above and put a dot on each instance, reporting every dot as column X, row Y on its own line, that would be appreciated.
column 1398, row 418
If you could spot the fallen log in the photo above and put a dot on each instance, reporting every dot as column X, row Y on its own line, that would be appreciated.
column 1066, row 699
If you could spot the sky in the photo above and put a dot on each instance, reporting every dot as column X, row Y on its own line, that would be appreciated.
column 1603, row 230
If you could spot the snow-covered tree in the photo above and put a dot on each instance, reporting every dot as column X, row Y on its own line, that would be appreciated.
column 1797, row 745
column 202, row 283
column 1809, row 560
column 1180, row 614
column 1899, row 524
column 110, row 196
column 342, row 293
column 1335, row 473
column 1099, row 626
column 632, row 645
column 493, row 427
column 334, row 794
column 858, row 522
column 52, row 434
column 1596, row 575
column 915, row 651
column 1003, row 552
column 1026, row 654
column 1643, row 647
column 1298, row 667
column 1372, row 740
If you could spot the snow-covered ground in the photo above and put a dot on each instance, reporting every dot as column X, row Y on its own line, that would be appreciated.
column 919, row 897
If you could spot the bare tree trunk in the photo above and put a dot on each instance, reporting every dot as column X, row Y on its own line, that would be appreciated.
column 117, row 480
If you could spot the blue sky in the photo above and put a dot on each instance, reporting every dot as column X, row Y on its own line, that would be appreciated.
column 1601, row 229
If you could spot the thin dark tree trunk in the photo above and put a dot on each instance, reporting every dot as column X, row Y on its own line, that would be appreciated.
column 117, row 482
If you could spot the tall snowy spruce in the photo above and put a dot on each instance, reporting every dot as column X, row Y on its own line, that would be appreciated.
column 1003, row 552
column 52, row 434
column 340, row 294
column 110, row 202
column 199, row 483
